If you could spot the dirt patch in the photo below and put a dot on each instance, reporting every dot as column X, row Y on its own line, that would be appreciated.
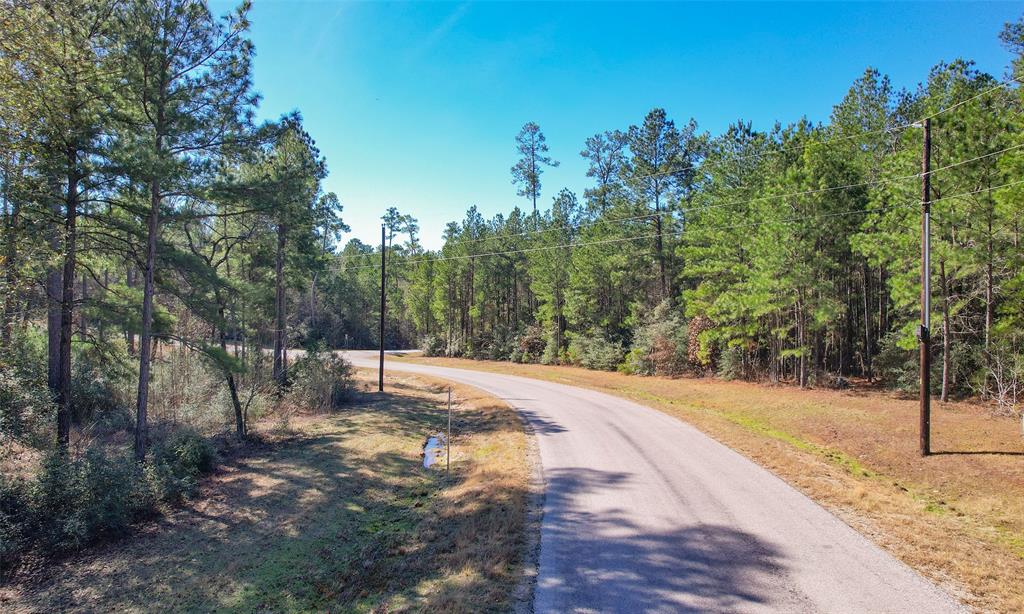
column 957, row 516
column 334, row 512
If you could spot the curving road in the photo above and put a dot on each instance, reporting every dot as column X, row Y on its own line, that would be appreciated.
column 644, row 513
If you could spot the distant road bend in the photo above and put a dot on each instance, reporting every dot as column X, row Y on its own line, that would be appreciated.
column 644, row 513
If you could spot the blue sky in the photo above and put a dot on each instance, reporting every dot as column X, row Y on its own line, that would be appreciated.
column 416, row 105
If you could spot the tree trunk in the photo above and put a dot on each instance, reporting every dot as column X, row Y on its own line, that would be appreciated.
column 106, row 284
column 146, row 338
column 67, row 304
column 53, row 296
column 83, row 324
column 659, row 247
column 228, row 375
column 279, row 315
column 129, row 280
column 946, row 332
column 12, row 210
column 868, row 347
column 801, row 341
column 883, row 303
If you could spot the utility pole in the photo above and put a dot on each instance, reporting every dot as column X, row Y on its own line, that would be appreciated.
column 383, row 262
column 926, row 306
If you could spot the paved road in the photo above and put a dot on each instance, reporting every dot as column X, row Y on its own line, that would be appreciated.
column 644, row 513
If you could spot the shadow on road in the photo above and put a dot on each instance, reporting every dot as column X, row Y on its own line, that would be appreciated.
column 607, row 562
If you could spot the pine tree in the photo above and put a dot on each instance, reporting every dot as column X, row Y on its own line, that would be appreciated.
column 187, row 96
column 532, row 148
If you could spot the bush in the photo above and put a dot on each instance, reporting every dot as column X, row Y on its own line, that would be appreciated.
column 897, row 367
column 595, row 352
column 186, row 390
column 177, row 464
column 499, row 344
column 14, row 504
column 103, row 382
column 75, row 501
column 321, row 381
column 1004, row 379
column 550, row 355
column 530, row 344
column 967, row 367
column 433, row 345
column 730, row 363
column 25, row 407
column 660, row 344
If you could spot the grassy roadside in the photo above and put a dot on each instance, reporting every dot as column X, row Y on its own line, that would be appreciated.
column 957, row 517
column 334, row 512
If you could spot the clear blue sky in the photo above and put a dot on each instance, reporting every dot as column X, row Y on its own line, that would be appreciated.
column 416, row 105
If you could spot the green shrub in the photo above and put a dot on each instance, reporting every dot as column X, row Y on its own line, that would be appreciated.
column 186, row 452
column 730, row 363
column 660, row 344
column 433, row 345
column 14, row 518
column 25, row 407
column 595, row 352
column 172, row 473
column 967, row 367
column 79, row 500
column 550, row 355
column 75, row 501
column 321, row 381
column 897, row 367
column 499, row 344
column 103, row 380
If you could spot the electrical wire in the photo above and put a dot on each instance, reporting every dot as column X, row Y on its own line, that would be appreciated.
column 838, row 139
column 956, row 105
column 614, row 240
column 757, row 199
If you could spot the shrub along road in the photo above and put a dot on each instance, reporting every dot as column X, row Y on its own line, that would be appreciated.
column 331, row 513
column 643, row 512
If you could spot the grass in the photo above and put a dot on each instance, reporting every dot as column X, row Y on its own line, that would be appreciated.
column 333, row 512
column 957, row 516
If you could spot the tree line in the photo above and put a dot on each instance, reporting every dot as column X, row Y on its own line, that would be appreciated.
column 146, row 214
column 786, row 255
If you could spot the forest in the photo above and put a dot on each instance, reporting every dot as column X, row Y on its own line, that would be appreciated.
column 787, row 256
column 164, row 255
column 161, row 252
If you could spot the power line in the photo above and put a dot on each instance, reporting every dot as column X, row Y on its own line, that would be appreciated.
column 614, row 240
column 995, row 87
column 690, row 166
column 838, row 139
column 748, row 201
column 620, row 239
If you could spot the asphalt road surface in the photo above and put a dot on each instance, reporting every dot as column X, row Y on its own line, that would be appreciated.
column 644, row 513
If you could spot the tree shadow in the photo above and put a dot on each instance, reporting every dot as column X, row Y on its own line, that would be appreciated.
column 539, row 424
column 607, row 561
column 976, row 452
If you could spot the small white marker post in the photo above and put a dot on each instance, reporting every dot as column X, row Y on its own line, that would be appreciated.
column 448, row 440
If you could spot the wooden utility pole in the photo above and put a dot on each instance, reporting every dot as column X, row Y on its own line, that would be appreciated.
column 925, row 334
column 383, row 262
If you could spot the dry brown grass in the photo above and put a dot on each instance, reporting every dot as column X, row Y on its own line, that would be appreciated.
column 957, row 516
column 332, row 512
